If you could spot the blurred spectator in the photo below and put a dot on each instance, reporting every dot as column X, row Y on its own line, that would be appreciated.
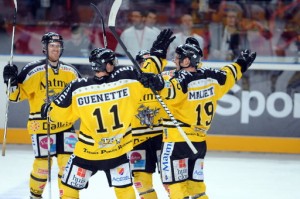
column 137, row 36
column 226, row 39
column 186, row 30
column 287, row 44
column 22, row 44
column 257, row 27
column 5, row 38
column 150, row 20
column 79, row 43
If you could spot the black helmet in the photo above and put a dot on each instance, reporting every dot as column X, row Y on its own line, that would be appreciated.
column 192, row 40
column 100, row 56
column 52, row 37
column 142, row 55
column 192, row 51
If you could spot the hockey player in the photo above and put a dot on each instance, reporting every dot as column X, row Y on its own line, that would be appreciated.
column 30, row 84
column 191, row 95
column 105, row 104
column 142, row 56
column 146, row 125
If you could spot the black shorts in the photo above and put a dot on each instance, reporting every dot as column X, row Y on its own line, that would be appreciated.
column 179, row 163
column 145, row 156
column 78, row 171
column 61, row 143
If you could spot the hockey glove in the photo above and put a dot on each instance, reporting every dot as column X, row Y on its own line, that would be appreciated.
column 245, row 59
column 10, row 72
column 161, row 44
column 150, row 80
column 44, row 110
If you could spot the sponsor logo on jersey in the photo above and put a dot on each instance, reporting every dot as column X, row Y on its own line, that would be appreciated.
column 79, row 177
column 166, row 156
column 146, row 116
column 138, row 185
column 71, row 141
column 42, row 186
column 126, row 68
column 53, row 83
column 198, row 170
column 103, row 97
column 35, row 70
column 42, row 171
column 81, row 172
column 181, row 170
column 110, row 141
column 34, row 126
column 44, row 143
column 201, row 94
column 135, row 157
column 166, row 162
column 121, row 176
column 120, row 171
column 56, row 125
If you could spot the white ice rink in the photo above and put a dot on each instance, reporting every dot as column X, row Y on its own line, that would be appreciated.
column 228, row 175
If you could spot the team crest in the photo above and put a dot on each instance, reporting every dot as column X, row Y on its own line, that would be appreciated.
column 34, row 126
column 146, row 115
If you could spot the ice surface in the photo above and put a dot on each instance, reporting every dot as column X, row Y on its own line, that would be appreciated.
column 228, row 175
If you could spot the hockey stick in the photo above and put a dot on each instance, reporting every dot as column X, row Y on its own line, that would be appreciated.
column 111, row 24
column 102, row 22
column 48, row 124
column 8, row 83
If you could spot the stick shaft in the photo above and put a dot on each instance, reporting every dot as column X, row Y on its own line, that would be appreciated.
column 102, row 24
column 8, row 83
column 48, row 124
column 6, row 119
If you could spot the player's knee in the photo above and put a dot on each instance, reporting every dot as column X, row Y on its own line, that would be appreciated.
column 142, row 181
column 196, row 188
column 38, row 177
column 149, row 194
column 178, row 190
column 144, row 186
column 125, row 192
column 67, row 192
column 40, row 168
column 62, row 160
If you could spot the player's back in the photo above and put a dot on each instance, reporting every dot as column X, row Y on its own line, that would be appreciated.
column 106, row 107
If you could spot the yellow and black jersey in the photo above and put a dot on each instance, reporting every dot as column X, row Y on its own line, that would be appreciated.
column 192, row 99
column 32, row 86
column 147, row 121
column 105, row 107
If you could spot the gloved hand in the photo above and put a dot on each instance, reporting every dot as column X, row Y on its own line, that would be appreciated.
column 161, row 44
column 44, row 110
column 150, row 80
column 10, row 72
column 245, row 59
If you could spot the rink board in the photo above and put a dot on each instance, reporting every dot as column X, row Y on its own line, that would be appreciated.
column 215, row 142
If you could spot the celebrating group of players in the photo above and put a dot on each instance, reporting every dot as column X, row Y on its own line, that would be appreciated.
column 124, row 130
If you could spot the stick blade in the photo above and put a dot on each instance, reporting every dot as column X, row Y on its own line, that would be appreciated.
column 113, row 13
column 3, row 148
column 16, row 5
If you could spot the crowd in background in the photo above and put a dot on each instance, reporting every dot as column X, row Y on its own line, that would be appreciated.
column 223, row 28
